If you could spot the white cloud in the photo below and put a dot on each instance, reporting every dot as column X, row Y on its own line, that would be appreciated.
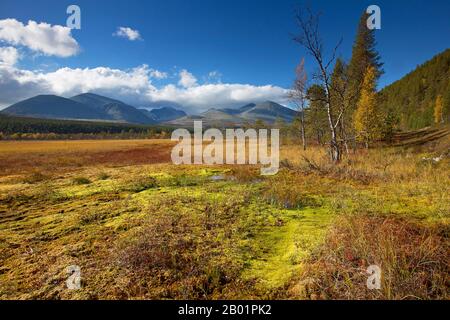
column 158, row 74
column 40, row 37
column 205, row 96
column 133, row 86
column 9, row 56
column 17, row 84
column 214, row 77
column 130, row 34
column 187, row 79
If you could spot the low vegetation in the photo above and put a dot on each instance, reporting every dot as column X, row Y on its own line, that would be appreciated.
column 154, row 230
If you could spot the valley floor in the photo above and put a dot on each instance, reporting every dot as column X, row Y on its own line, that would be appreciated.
column 139, row 227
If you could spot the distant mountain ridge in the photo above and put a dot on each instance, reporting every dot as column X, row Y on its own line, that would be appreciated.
column 164, row 113
column 89, row 106
column 267, row 111
column 43, row 106
column 94, row 107
column 114, row 109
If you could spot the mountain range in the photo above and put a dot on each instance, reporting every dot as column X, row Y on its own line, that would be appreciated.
column 94, row 107
column 90, row 106
column 267, row 111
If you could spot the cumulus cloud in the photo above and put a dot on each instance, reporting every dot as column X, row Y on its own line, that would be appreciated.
column 158, row 74
column 41, row 37
column 130, row 34
column 205, row 96
column 9, row 56
column 13, row 87
column 187, row 79
column 133, row 86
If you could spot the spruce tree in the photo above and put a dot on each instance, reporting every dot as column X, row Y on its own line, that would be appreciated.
column 364, row 54
column 338, row 83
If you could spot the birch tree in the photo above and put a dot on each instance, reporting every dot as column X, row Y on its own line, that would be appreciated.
column 309, row 38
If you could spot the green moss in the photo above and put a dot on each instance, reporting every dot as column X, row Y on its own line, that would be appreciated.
column 280, row 248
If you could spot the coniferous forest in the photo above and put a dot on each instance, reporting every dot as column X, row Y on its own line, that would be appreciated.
column 412, row 100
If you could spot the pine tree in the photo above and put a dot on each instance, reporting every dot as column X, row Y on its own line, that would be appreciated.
column 364, row 55
column 367, row 117
column 316, row 114
column 388, row 124
column 338, row 83
column 439, row 110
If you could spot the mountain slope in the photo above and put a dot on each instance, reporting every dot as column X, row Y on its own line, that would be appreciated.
column 51, row 106
column 124, row 113
column 114, row 109
column 219, row 115
column 267, row 111
column 164, row 113
column 94, row 100
column 412, row 98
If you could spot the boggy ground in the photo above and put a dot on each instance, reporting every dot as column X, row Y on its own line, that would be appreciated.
column 141, row 228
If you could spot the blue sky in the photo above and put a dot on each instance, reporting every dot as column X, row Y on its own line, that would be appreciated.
column 245, row 42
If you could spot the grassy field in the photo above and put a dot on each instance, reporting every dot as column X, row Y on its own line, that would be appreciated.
column 141, row 228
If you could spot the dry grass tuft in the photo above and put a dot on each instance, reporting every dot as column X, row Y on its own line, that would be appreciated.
column 414, row 260
column 167, row 258
column 35, row 177
column 81, row 181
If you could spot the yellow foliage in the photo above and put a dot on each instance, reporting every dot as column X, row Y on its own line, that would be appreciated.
column 366, row 118
column 439, row 110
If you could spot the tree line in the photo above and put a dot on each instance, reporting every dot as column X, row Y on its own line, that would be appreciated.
column 21, row 128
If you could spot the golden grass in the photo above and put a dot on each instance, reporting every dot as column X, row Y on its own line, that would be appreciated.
column 68, row 146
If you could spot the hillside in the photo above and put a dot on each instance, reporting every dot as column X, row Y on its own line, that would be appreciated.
column 413, row 97
column 434, row 141
column 267, row 111
column 164, row 113
column 114, row 109
column 53, row 107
